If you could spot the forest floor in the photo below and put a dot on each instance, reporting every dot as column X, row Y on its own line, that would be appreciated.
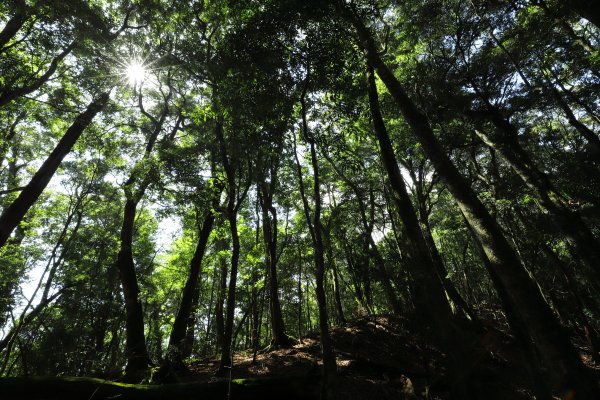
column 378, row 358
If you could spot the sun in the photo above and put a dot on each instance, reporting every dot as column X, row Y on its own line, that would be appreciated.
column 135, row 72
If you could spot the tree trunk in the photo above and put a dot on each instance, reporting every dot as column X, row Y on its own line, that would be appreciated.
column 449, row 286
column 561, row 363
column 10, row 94
column 329, row 384
column 233, row 204
column 299, row 290
column 385, row 280
column 138, row 359
column 226, row 350
column 221, row 291
column 180, row 326
column 14, row 24
column 336, row 294
column 588, row 9
column 269, row 215
column 14, row 213
column 329, row 362
column 428, row 293
column 568, row 221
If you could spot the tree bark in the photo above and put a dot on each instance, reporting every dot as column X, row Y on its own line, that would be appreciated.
column 337, row 295
column 233, row 203
column 15, row 212
column 221, row 291
column 427, row 290
column 226, row 350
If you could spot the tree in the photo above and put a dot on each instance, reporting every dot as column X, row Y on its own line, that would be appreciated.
column 522, row 297
column 14, row 213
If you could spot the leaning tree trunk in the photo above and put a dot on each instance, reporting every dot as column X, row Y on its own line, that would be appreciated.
column 14, row 24
column 561, row 364
column 570, row 223
column 588, row 9
column 180, row 326
column 427, row 291
column 14, row 213
column 449, row 286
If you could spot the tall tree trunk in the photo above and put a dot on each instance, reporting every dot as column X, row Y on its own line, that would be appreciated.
column 138, row 359
column 180, row 326
column 422, row 194
column 254, row 339
column 428, row 293
column 226, row 350
column 221, row 292
column 299, row 290
column 14, row 213
column 135, row 187
column 561, row 364
column 329, row 362
column 269, row 215
column 234, row 200
column 365, row 268
column 336, row 294
column 329, row 384
column 427, row 289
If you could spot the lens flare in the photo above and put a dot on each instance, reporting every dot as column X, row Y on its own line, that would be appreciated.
column 135, row 72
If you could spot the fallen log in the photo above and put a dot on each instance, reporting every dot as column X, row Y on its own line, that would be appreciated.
column 76, row 388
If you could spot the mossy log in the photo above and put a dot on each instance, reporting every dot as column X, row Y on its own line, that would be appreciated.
column 67, row 388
